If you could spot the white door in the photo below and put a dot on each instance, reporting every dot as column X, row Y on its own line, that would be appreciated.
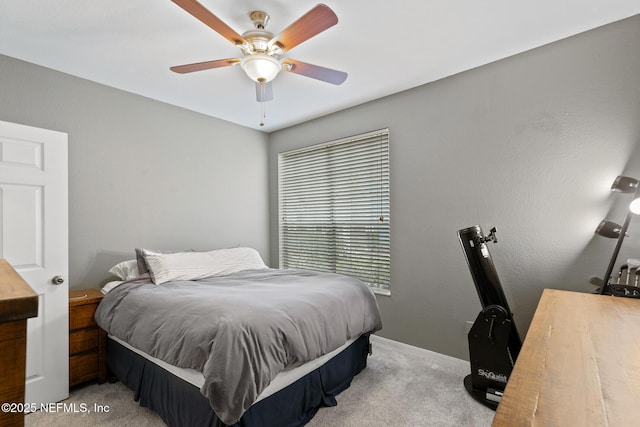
column 34, row 240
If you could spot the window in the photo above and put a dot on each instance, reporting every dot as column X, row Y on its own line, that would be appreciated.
column 335, row 210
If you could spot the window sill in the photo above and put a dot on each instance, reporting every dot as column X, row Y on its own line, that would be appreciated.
column 379, row 291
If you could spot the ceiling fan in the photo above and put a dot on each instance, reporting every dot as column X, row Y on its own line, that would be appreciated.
column 262, row 50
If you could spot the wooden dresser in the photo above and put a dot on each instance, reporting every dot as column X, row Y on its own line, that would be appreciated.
column 18, row 302
column 579, row 364
column 87, row 342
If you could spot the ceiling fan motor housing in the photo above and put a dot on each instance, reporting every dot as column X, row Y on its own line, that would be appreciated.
column 258, row 39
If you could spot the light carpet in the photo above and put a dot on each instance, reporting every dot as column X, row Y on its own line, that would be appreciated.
column 401, row 386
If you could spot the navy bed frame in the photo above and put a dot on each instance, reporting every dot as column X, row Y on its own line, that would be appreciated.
column 180, row 403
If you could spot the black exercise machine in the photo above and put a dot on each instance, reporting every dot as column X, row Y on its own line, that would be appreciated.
column 494, row 343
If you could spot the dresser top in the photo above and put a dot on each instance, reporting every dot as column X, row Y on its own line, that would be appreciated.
column 17, row 299
column 578, row 366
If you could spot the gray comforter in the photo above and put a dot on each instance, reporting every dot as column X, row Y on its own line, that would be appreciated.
column 240, row 330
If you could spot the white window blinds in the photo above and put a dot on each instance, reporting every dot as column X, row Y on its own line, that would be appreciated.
column 335, row 210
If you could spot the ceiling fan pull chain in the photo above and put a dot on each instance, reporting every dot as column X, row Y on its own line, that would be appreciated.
column 263, row 112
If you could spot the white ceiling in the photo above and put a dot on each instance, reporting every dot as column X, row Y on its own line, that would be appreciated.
column 384, row 46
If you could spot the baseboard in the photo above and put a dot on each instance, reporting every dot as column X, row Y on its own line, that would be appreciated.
column 377, row 340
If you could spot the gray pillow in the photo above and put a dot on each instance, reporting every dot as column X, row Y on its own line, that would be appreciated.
column 142, row 264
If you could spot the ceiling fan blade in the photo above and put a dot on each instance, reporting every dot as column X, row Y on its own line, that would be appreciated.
column 207, row 65
column 264, row 92
column 212, row 21
column 314, row 71
column 308, row 25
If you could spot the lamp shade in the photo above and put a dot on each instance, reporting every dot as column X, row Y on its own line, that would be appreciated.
column 608, row 229
column 260, row 67
column 624, row 184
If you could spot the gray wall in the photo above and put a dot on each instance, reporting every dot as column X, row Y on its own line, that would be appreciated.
column 530, row 144
column 141, row 172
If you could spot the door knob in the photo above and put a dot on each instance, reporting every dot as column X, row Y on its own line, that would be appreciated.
column 58, row 280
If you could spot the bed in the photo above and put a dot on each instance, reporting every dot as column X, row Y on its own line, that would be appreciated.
column 217, row 338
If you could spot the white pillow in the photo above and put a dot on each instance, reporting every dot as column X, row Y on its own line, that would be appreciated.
column 198, row 265
column 126, row 270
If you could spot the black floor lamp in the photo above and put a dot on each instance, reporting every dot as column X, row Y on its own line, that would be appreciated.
column 622, row 184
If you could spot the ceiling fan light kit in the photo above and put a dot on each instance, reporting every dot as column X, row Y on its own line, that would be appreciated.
column 262, row 50
column 260, row 67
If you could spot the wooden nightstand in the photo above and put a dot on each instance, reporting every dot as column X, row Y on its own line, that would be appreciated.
column 87, row 342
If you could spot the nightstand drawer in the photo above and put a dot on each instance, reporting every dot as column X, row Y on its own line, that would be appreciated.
column 82, row 316
column 87, row 342
column 83, row 340
column 83, row 368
